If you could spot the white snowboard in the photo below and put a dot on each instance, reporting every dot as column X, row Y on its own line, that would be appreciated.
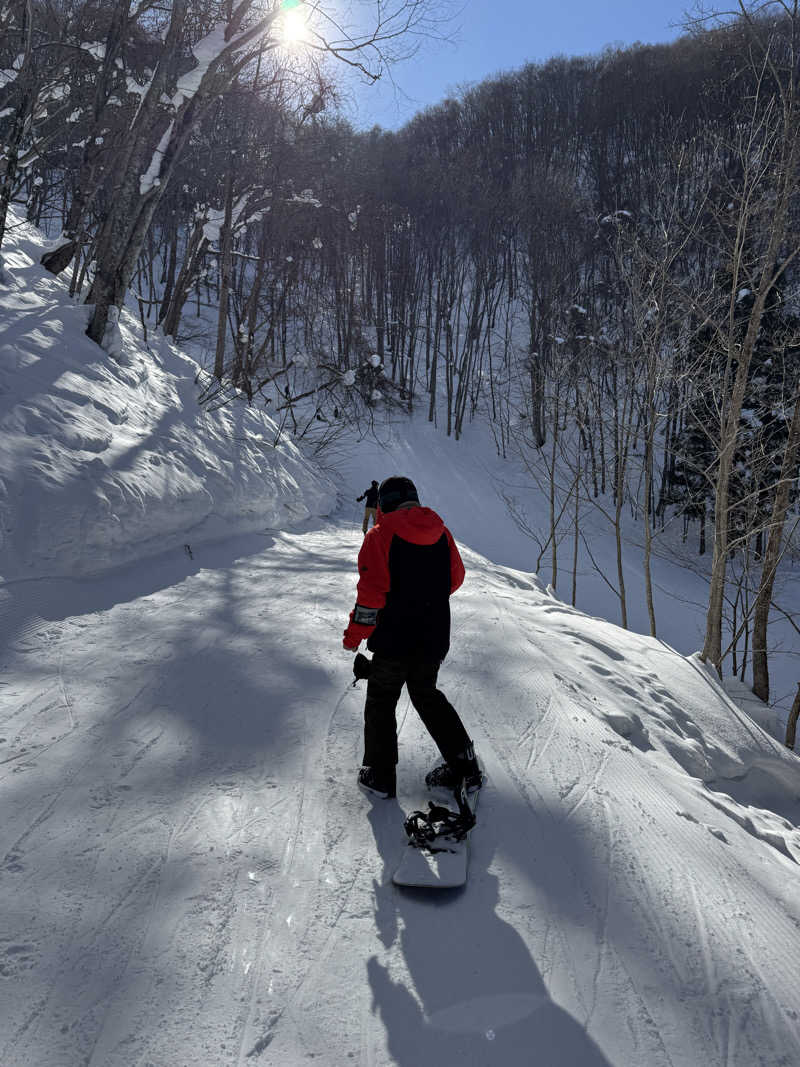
column 445, row 868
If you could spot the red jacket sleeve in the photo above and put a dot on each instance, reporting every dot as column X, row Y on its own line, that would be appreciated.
column 373, row 586
column 373, row 570
column 456, row 564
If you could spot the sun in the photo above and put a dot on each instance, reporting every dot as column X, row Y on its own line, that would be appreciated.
column 293, row 28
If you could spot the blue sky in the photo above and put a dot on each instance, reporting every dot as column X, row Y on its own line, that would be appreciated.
column 497, row 35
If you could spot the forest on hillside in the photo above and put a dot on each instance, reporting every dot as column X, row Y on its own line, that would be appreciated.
column 596, row 254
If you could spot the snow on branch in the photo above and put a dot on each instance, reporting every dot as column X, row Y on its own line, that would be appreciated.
column 219, row 42
column 151, row 176
column 306, row 197
column 206, row 52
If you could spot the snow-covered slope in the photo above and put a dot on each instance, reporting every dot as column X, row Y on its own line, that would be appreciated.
column 106, row 459
column 189, row 875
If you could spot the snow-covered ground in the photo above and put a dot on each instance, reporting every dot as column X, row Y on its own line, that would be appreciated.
column 189, row 875
column 187, row 872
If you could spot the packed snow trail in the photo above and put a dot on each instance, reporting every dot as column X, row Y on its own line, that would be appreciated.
column 189, row 875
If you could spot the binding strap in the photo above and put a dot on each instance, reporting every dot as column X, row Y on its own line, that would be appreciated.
column 434, row 828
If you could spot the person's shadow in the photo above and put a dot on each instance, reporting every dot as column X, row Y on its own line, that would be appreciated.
column 475, row 995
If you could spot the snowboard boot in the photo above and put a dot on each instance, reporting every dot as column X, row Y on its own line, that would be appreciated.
column 377, row 782
column 449, row 775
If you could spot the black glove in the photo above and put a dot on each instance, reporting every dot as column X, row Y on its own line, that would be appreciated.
column 361, row 666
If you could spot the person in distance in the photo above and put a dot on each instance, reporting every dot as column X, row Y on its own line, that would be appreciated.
column 370, row 498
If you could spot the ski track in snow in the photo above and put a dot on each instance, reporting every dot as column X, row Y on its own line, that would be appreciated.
column 190, row 875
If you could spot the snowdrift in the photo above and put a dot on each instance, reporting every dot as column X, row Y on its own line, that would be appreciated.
column 103, row 459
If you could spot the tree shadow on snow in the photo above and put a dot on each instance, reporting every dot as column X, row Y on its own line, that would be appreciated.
column 174, row 716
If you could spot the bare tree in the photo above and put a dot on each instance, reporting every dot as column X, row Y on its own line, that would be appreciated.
column 159, row 131
column 768, row 151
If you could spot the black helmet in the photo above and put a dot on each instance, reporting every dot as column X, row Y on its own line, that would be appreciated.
column 395, row 491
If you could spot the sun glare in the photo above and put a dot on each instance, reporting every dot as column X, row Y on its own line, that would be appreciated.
column 293, row 27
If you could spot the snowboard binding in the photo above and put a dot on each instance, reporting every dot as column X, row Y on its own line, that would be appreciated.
column 439, row 827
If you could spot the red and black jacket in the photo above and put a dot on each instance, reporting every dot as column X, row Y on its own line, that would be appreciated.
column 408, row 566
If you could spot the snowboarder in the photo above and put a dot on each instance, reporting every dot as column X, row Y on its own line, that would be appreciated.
column 408, row 566
column 370, row 498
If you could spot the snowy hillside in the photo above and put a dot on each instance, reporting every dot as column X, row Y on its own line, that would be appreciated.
column 188, row 874
column 106, row 459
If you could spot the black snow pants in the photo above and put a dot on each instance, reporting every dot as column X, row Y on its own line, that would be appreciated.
column 440, row 718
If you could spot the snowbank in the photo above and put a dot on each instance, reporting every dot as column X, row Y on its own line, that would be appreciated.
column 104, row 460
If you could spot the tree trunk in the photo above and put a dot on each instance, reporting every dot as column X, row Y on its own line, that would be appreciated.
column 537, row 385
column 791, row 725
column 195, row 250
column 648, row 530
column 552, row 495
column 772, row 556
column 224, row 273
column 576, row 530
